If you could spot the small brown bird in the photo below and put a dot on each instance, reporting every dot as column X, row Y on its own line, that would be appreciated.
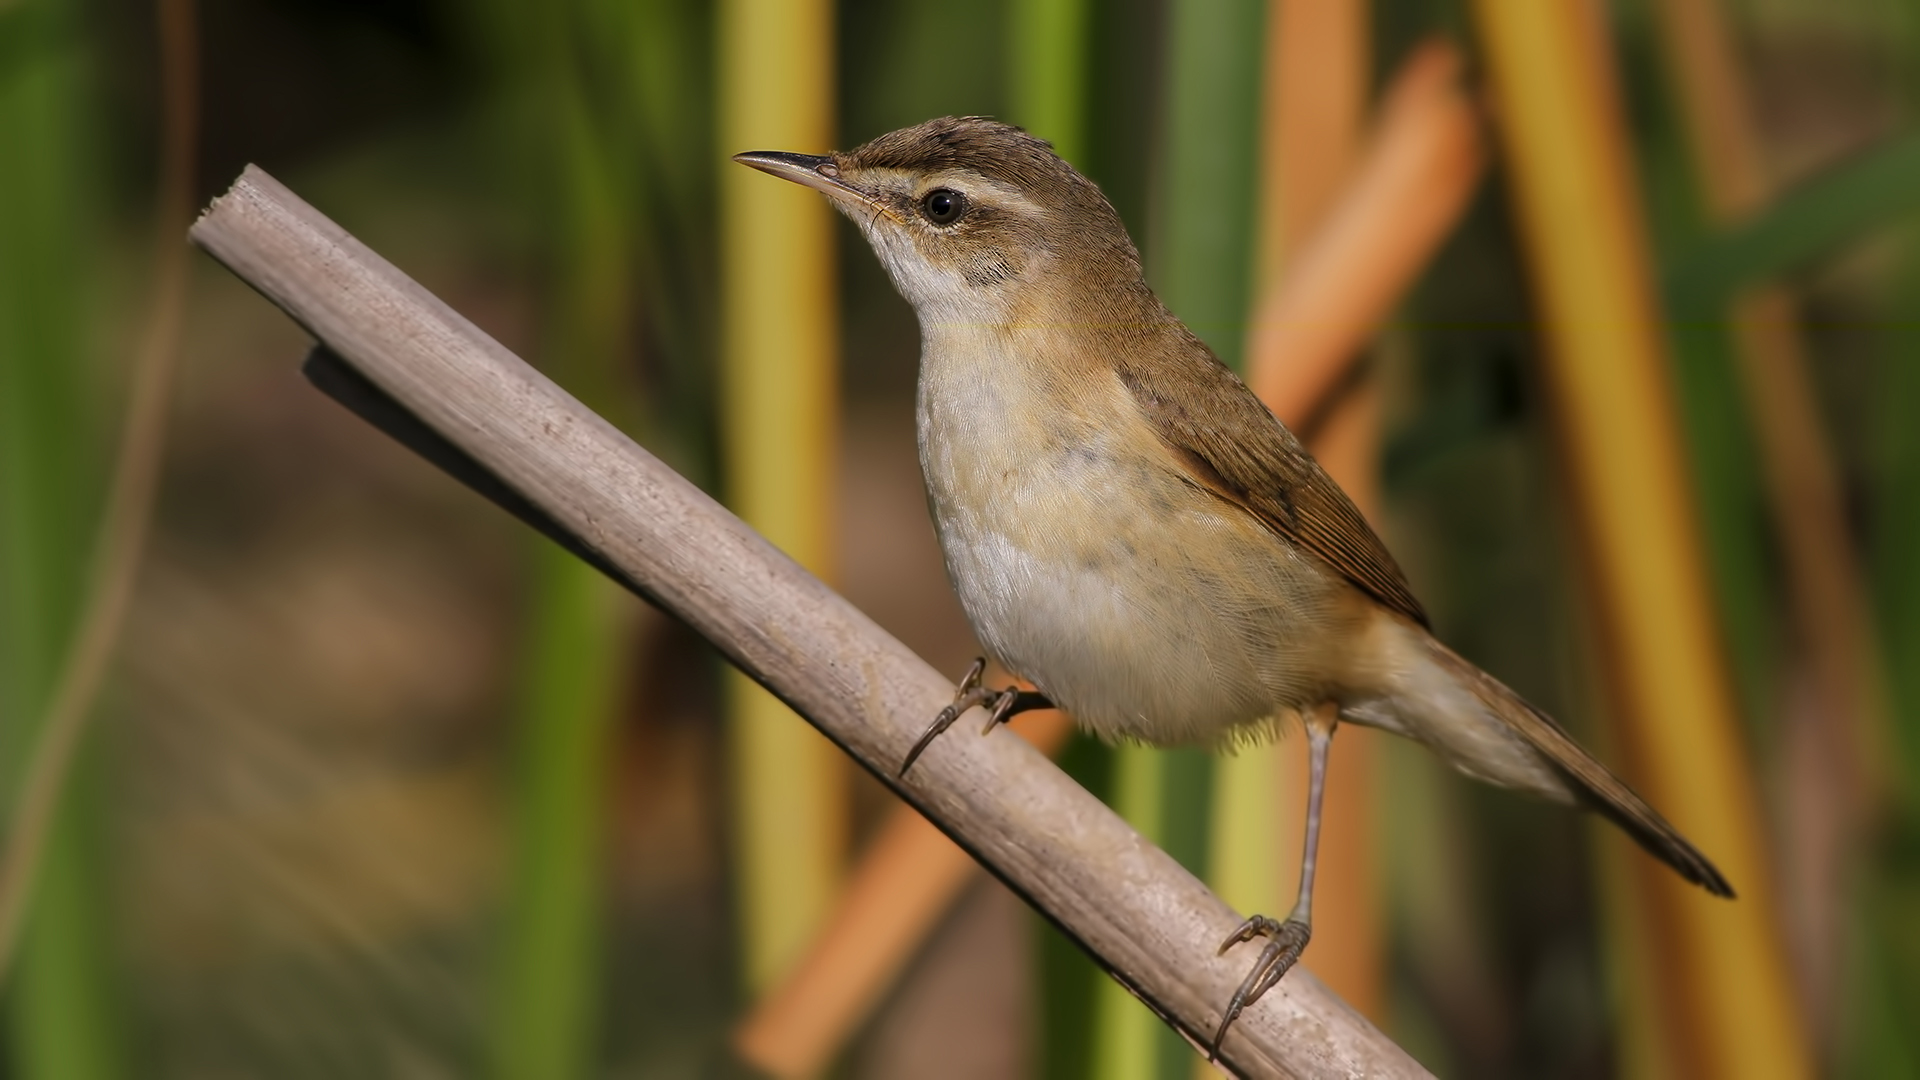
column 1130, row 529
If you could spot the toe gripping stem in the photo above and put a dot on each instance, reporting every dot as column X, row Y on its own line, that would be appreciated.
column 1001, row 706
column 1286, row 941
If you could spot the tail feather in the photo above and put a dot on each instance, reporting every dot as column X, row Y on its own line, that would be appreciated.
column 1592, row 782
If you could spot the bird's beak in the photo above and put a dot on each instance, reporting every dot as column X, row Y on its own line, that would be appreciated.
column 818, row 173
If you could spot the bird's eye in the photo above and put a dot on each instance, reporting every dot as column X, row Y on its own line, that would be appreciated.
column 943, row 206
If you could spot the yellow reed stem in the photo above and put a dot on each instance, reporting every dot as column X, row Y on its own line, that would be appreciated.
column 1254, row 838
column 1836, row 743
column 1049, row 50
column 779, row 421
column 1723, row 976
column 906, row 879
column 1128, row 1045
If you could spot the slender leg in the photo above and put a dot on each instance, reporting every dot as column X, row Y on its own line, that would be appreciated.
column 1285, row 940
column 1001, row 706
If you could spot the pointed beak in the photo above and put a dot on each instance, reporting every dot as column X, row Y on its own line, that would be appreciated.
column 818, row 173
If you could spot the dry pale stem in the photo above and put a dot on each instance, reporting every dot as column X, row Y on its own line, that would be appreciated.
column 1143, row 917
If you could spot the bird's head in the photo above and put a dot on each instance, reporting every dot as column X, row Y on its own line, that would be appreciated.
column 975, row 220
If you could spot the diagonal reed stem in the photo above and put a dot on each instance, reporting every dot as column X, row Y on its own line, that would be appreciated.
column 1146, row 920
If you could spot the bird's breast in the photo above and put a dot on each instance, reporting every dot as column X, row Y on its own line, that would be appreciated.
column 1087, row 563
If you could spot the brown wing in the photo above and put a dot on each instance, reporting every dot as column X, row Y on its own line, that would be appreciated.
column 1233, row 446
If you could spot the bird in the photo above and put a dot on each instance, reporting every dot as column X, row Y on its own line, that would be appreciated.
column 1131, row 531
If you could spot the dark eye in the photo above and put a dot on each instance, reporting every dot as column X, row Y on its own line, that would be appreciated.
column 943, row 206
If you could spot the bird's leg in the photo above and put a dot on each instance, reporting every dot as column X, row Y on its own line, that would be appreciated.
column 1285, row 940
column 1001, row 706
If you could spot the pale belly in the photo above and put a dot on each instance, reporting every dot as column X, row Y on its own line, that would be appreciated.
column 1145, row 607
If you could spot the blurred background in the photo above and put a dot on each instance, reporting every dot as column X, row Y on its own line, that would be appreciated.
column 1602, row 311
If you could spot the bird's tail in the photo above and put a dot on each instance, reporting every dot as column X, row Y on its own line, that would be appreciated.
column 1590, row 782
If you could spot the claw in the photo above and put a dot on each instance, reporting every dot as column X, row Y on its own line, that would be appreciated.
column 1258, row 926
column 1001, row 705
column 998, row 710
column 941, row 722
column 1286, row 941
column 965, row 696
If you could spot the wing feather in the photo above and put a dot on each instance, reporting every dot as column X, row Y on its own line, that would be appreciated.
column 1234, row 447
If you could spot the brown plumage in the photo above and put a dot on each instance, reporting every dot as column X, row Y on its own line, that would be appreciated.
column 1129, row 528
column 1234, row 447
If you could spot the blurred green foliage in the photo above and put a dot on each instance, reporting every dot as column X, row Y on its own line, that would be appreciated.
column 552, row 166
column 60, row 1008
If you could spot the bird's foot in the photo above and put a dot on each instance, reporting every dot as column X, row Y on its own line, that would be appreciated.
column 1001, row 706
column 1285, row 942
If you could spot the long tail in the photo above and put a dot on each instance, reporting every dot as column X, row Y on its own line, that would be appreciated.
column 1591, row 781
